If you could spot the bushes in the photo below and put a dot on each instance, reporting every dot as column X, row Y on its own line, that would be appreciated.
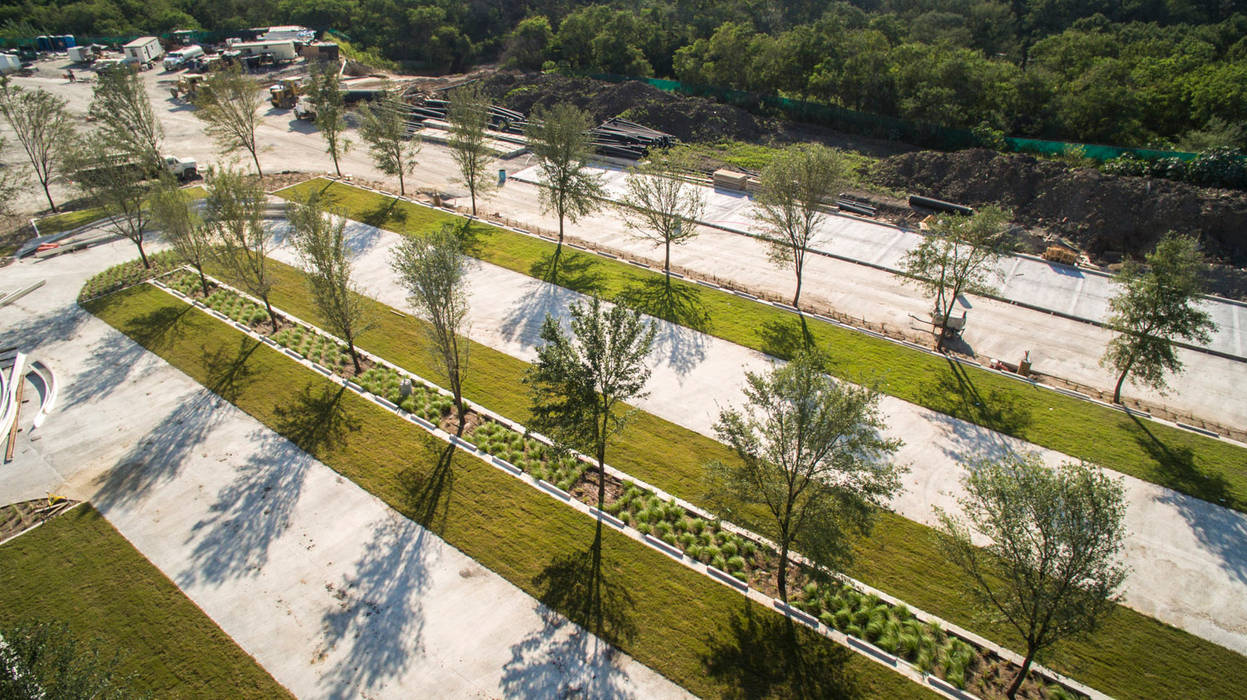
column 127, row 274
column 1216, row 167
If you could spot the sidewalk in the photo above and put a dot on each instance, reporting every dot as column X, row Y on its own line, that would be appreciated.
column 1198, row 546
column 329, row 589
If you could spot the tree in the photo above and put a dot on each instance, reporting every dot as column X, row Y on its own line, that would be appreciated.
column 229, row 105
column 125, row 122
column 433, row 270
column 12, row 178
column 958, row 254
column 321, row 244
column 1156, row 304
column 559, row 138
column 384, row 128
column 659, row 205
column 526, row 45
column 468, row 115
column 789, row 201
column 325, row 94
column 235, row 216
column 580, row 383
column 183, row 228
column 1050, row 569
column 45, row 660
column 114, row 185
column 42, row 126
column 812, row 453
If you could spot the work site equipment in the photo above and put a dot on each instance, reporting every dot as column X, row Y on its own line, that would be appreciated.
column 187, row 87
column 285, row 93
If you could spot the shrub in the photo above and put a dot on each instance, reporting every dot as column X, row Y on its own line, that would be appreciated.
column 693, row 551
column 663, row 527
column 670, row 538
column 748, row 548
column 827, row 619
column 687, row 539
column 626, row 517
column 713, row 552
column 843, row 618
column 718, row 562
column 730, row 549
column 696, row 526
column 735, row 563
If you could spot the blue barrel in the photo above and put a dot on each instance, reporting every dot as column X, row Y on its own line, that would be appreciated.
column 70, row 40
column 43, row 43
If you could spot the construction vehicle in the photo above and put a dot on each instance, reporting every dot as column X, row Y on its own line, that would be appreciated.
column 305, row 110
column 285, row 93
column 182, row 168
column 187, row 87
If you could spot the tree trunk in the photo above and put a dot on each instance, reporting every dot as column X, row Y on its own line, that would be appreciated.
column 560, row 229
column 255, row 157
column 666, row 263
column 472, row 192
column 782, row 576
column 1121, row 379
column 272, row 316
column 334, row 152
column 350, row 345
column 48, row 194
column 203, row 280
column 1016, row 685
column 402, row 188
column 143, row 254
column 797, row 297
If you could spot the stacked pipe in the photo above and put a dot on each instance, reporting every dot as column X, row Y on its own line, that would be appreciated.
column 622, row 138
column 500, row 118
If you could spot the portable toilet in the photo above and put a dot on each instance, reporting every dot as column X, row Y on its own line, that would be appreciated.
column 43, row 43
column 69, row 41
column 58, row 42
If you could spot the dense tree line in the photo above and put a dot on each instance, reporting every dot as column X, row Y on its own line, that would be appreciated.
column 1135, row 72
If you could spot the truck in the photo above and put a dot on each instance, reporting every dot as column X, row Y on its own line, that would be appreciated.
column 285, row 93
column 182, row 168
column 83, row 54
column 144, row 49
column 176, row 59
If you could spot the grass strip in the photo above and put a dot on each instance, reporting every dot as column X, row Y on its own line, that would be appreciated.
column 901, row 557
column 78, row 570
column 698, row 633
column 1193, row 464
column 66, row 220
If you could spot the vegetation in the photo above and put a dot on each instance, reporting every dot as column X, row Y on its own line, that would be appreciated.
column 719, row 644
column 581, row 383
column 811, row 452
column 120, row 192
column 1193, row 464
column 42, row 126
column 958, row 254
column 229, row 106
column 1051, row 568
column 182, row 228
column 128, row 274
column 126, row 128
column 321, row 245
column 900, row 556
column 242, row 242
column 659, row 206
column 790, row 200
column 468, row 116
column 383, row 127
column 432, row 268
column 1156, row 304
column 78, row 571
column 325, row 93
column 559, row 139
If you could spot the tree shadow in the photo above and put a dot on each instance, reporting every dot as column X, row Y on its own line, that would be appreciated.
column 764, row 655
column 569, row 270
column 314, row 418
column 374, row 624
column 113, row 359
column 385, row 215
column 1176, row 469
column 523, row 321
column 428, row 493
column 786, row 337
column 954, row 393
column 227, row 371
column 682, row 339
column 584, row 614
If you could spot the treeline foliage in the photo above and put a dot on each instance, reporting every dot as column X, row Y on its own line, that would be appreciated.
column 1134, row 72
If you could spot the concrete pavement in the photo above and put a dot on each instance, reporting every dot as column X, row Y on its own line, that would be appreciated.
column 1199, row 546
column 329, row 589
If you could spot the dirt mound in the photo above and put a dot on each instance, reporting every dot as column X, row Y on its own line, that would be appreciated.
column 1107, row 215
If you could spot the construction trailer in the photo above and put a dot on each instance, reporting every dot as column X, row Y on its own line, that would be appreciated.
column 295, row 33
column 281, row 51
column 144, row 49
column 320, row 51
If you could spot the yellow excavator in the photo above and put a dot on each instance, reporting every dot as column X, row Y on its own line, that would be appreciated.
column 285, row 93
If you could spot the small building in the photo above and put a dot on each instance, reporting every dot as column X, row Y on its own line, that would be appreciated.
column 144, row 49
column 320, row 51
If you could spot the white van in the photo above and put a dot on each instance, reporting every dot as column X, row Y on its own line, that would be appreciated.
column 176, row 59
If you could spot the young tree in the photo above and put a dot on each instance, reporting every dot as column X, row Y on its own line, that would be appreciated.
column 659, row 205
column 559, row 138
column 321, row 244
column 469, row 116
column 229, row 105
column 958, row 254
column 183, row 228
column 114, row 185
column 811, row 452
column 384, row 128
column 42, row 126
column 46, row 660
column 1156, row 304
column 792, row 190
column 325, row 94
column 580, row 382
column 235, row 216
column 124, row 119
column 433, row 270
column 12, row 178
column 1055, row 534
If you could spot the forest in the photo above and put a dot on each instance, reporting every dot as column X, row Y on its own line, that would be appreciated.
column 1154, row 73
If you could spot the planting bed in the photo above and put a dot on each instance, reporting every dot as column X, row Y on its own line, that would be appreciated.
column 697, row 536
column 126, row 274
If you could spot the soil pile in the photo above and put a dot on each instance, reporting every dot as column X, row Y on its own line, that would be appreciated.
column 1106, row 215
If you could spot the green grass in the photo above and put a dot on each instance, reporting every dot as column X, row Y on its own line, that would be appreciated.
column 64, row 221
column 78, row 570
column 700, row 634
column 1203, row 467
column 901, row 556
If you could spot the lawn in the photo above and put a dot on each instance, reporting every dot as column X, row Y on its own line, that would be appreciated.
column 901, row 556
column 78, row 570
column 64, row 221
column 1203, row 467
column 700, row 634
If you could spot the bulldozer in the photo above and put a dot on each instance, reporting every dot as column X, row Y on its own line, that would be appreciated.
column 285, row 93
column 187, row 87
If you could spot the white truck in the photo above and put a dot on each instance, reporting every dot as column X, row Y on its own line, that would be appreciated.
column 182, row 168
column 281, row 51
column 176, row 59
column 144, row 50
